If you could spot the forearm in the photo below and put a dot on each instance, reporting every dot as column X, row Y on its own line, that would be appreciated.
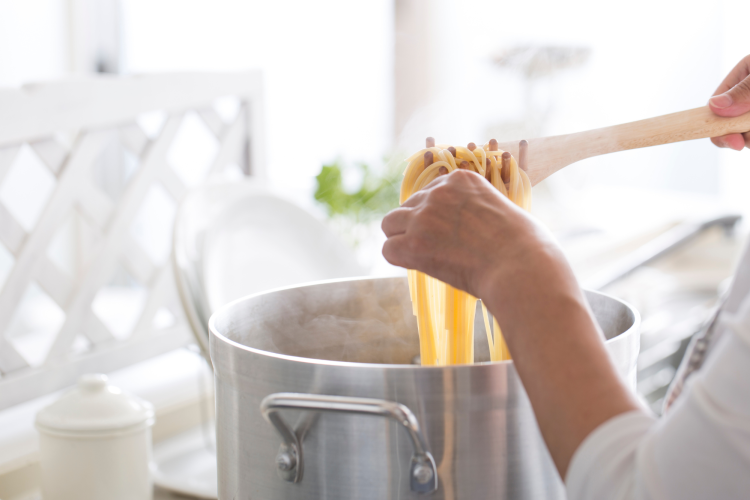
column 558, row 352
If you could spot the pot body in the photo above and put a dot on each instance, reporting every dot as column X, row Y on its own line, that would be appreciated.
column 356, row 339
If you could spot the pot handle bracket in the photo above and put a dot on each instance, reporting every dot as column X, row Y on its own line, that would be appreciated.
column 289, row 463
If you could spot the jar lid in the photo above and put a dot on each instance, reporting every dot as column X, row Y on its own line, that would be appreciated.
column 94, row 406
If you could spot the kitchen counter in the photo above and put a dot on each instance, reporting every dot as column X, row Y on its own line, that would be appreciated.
column 159, row 494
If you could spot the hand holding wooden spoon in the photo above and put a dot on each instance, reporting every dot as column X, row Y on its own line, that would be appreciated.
column 726, row 120
column 547, row 155
column 732, row 98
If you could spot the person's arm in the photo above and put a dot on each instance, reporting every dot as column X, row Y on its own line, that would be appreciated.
column 732, row 98
column 463, row 232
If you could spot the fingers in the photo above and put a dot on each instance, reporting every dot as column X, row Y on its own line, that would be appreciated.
column 416, row 198
column 420, row 196
column 396, row 222
column 738, row 73
column 732, row 98
column 400, row 249
column 733, row 141
column 394, row 253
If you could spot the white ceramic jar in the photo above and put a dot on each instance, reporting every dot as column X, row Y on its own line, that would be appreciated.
column 95, row 443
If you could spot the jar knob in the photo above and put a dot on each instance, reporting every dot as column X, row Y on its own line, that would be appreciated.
column 93, row 382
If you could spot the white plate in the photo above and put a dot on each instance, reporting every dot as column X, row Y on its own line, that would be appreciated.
column 186, row 464
column 262, row 242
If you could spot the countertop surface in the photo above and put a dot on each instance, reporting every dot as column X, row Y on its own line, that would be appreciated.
column 159, row 494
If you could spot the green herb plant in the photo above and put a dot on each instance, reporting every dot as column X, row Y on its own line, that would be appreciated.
column 376, row 196
column 354, row 213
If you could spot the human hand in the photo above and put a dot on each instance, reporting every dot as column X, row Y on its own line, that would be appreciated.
column 462, row 231
column 732, row 98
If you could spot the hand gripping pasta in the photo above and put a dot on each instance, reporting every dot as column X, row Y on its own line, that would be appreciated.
column 445, row 316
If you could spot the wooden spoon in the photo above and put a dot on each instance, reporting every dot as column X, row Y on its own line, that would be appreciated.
column 547, row 155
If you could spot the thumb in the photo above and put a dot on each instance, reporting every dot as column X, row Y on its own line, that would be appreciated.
column 733, row 102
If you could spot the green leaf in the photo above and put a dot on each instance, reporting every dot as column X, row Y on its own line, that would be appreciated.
column 377, row 195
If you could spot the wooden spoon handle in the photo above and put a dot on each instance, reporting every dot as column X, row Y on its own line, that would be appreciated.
column 547, row 155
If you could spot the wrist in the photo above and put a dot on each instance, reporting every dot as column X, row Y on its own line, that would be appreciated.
column 524, row 290
column 528, row 270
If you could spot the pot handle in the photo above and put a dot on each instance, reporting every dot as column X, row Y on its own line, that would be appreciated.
column 423, row 473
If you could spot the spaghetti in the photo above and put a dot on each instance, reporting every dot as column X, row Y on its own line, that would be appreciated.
column 445, row 315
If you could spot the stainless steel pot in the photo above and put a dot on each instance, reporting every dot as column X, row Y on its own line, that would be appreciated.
column 317, row 398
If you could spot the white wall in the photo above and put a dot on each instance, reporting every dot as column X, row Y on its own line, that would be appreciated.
column 329, row 70
column 327, row 67
column 33, row 41
column 647, row 58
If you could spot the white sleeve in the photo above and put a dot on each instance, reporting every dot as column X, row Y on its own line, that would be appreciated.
column 700, row 450
column 603, row 466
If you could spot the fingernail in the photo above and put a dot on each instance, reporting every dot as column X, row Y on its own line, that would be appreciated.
column 721, row 101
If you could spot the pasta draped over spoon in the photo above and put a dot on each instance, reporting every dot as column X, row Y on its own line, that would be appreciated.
column 445, row 315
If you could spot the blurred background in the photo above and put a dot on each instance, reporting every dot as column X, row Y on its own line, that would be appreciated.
column 367, row 81
column 352, row 88
column 360, row 81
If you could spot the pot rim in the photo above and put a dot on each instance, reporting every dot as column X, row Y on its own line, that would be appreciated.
column 351, row 364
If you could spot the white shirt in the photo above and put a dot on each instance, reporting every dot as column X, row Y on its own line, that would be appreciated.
column 701, row 448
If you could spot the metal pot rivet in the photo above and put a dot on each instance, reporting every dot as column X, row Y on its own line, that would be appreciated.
column 285, row 461
column 423, row 474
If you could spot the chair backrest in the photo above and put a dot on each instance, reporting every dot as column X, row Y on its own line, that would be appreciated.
column 91, row 171
column 236, row 239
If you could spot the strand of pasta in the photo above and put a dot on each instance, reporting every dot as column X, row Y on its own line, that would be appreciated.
column 445, row 315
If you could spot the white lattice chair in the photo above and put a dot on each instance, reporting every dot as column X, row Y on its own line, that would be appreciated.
column 91, row 172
